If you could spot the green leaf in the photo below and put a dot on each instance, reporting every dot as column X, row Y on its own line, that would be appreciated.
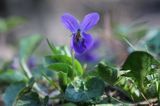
column 11, row 92
column 84, row 91
column 154, row 84
column 107, row 73
column 27, row 97
column 65, row 59
column 11, row 76
column 130, row 88
column 53, row 48
column 63, row 80
column 28, row 45
column 140, row 65
column 61, row 50
column 27, row 88
column 63, row 67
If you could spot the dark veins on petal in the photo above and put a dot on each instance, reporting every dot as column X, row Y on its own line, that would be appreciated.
column 79, row 40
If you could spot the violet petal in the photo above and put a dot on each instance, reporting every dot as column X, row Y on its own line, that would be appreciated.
column 70, row 22
column 89, row 21
column 82, row 45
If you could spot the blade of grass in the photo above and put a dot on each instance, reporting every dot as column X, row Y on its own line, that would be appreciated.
column 54, row 84
column 129, row 43
column 52, row 47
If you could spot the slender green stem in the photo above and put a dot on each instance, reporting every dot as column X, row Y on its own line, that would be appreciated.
column 73, row 59
column 54, row 84
column 26, row 70
column 29, row 75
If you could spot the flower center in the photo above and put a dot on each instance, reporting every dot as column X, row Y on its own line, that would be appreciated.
column 79, row 40
column 78, row 36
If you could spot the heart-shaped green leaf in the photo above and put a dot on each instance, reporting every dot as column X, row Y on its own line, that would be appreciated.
column 27, row 97
column 83, row 91
column 11, row 92
column 140, row 64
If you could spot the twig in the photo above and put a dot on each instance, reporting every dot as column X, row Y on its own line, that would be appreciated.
column 153, row 100
column 145, row 98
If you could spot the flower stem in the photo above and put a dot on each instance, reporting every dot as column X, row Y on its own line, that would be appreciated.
column 73, row 59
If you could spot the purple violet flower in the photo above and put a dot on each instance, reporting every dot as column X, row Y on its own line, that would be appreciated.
column 81, row 40
column 90, row 55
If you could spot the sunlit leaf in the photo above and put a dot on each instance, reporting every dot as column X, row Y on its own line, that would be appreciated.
column 61, row 50
column 65, row 68
column 65, row 59
column 63, row 80
column 129, row 87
